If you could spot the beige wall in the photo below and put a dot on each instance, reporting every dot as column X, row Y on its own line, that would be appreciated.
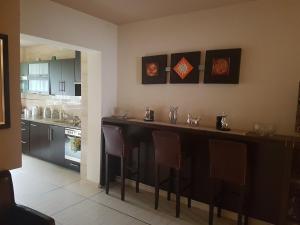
column 85, row 32
column 268, row 33
column 44, row 52
column 10, row 145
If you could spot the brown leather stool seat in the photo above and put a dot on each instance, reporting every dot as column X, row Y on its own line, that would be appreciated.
column 115, row 145
column 228, row 164
column 168, row 153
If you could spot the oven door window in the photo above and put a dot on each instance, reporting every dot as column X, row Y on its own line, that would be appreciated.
column 73, row 148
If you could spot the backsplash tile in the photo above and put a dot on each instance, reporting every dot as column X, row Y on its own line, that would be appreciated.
column 69, row 104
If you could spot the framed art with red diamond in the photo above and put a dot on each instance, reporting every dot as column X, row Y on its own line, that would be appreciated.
column 222, row 66
column 154, row 69
column 185, row 67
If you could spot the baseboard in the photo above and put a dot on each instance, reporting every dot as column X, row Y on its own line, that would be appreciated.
column 227, row 214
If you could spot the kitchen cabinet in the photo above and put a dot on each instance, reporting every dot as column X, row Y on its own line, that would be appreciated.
column 38, row 77
column 56, row 151
column 39, row 139
column 68, row 76
column 25, row 136
column 55, row 77
column 78, row 66
column 39, row 68
column 24, row 69
column 62, row 77
column 47, row 142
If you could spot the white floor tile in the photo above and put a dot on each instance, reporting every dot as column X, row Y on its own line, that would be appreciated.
column 55, row 201
column 84, row 188
column 91, row 213
column 141, row 206
column 60, row 193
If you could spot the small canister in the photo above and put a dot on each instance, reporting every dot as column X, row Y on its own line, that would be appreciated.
column 219, row 122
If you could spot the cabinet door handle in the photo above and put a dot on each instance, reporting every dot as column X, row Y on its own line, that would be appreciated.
column 61, row 86
column 23, row 142
column 50, row 137
column 73, row 164
column 64, row 86
column 33, row 125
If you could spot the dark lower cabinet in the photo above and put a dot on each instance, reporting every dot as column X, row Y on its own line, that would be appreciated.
column 39, row 140
column 25, row 136
column 46, row 142
column 56, row 152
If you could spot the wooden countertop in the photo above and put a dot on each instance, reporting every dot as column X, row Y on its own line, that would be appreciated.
column 234, row 133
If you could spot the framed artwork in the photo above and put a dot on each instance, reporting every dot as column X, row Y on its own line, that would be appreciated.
column 298, row 113
column 4, row 85
column 222, row 66
column 154, row 69
column 185, row 67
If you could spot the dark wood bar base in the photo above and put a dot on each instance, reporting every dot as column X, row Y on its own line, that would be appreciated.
column 271, row 160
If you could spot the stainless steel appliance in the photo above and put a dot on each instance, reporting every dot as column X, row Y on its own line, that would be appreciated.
column 149, row 114
column 222, row 122
column 173, row 114
column 73, row 148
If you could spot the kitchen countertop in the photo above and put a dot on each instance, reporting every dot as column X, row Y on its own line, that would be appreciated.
column 51, row 122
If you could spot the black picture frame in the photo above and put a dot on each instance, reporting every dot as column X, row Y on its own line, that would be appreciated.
column 222, row 66
column 189, row 63
column 297, row 127
column 154, row 69
column 4, row 82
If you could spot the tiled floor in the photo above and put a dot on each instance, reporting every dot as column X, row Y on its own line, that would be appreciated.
column 60, row 193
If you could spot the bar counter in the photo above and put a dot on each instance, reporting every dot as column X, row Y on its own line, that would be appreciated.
column 270, row 164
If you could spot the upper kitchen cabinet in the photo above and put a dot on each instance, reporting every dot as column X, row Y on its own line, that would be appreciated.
column 40, row 69
column 55, row 77
column 24, row 69
column 68, row 76
column 38, row 77
column 62, row 77
column 77, row 66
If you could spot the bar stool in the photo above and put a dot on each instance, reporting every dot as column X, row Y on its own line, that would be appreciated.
column 228, row 164
column 116, row 145
column 168, row 153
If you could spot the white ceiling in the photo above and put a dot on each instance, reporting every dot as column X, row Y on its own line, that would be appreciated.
column 127, row 11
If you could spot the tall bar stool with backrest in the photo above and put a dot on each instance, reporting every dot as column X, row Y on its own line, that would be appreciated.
column 228, row 164
column 168, row 153
column 116, row 145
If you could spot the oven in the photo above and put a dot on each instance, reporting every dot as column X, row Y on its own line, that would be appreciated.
column 73, row 148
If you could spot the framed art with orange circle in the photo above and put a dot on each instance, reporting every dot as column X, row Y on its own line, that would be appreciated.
column 154, row 69
column 222, row 66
